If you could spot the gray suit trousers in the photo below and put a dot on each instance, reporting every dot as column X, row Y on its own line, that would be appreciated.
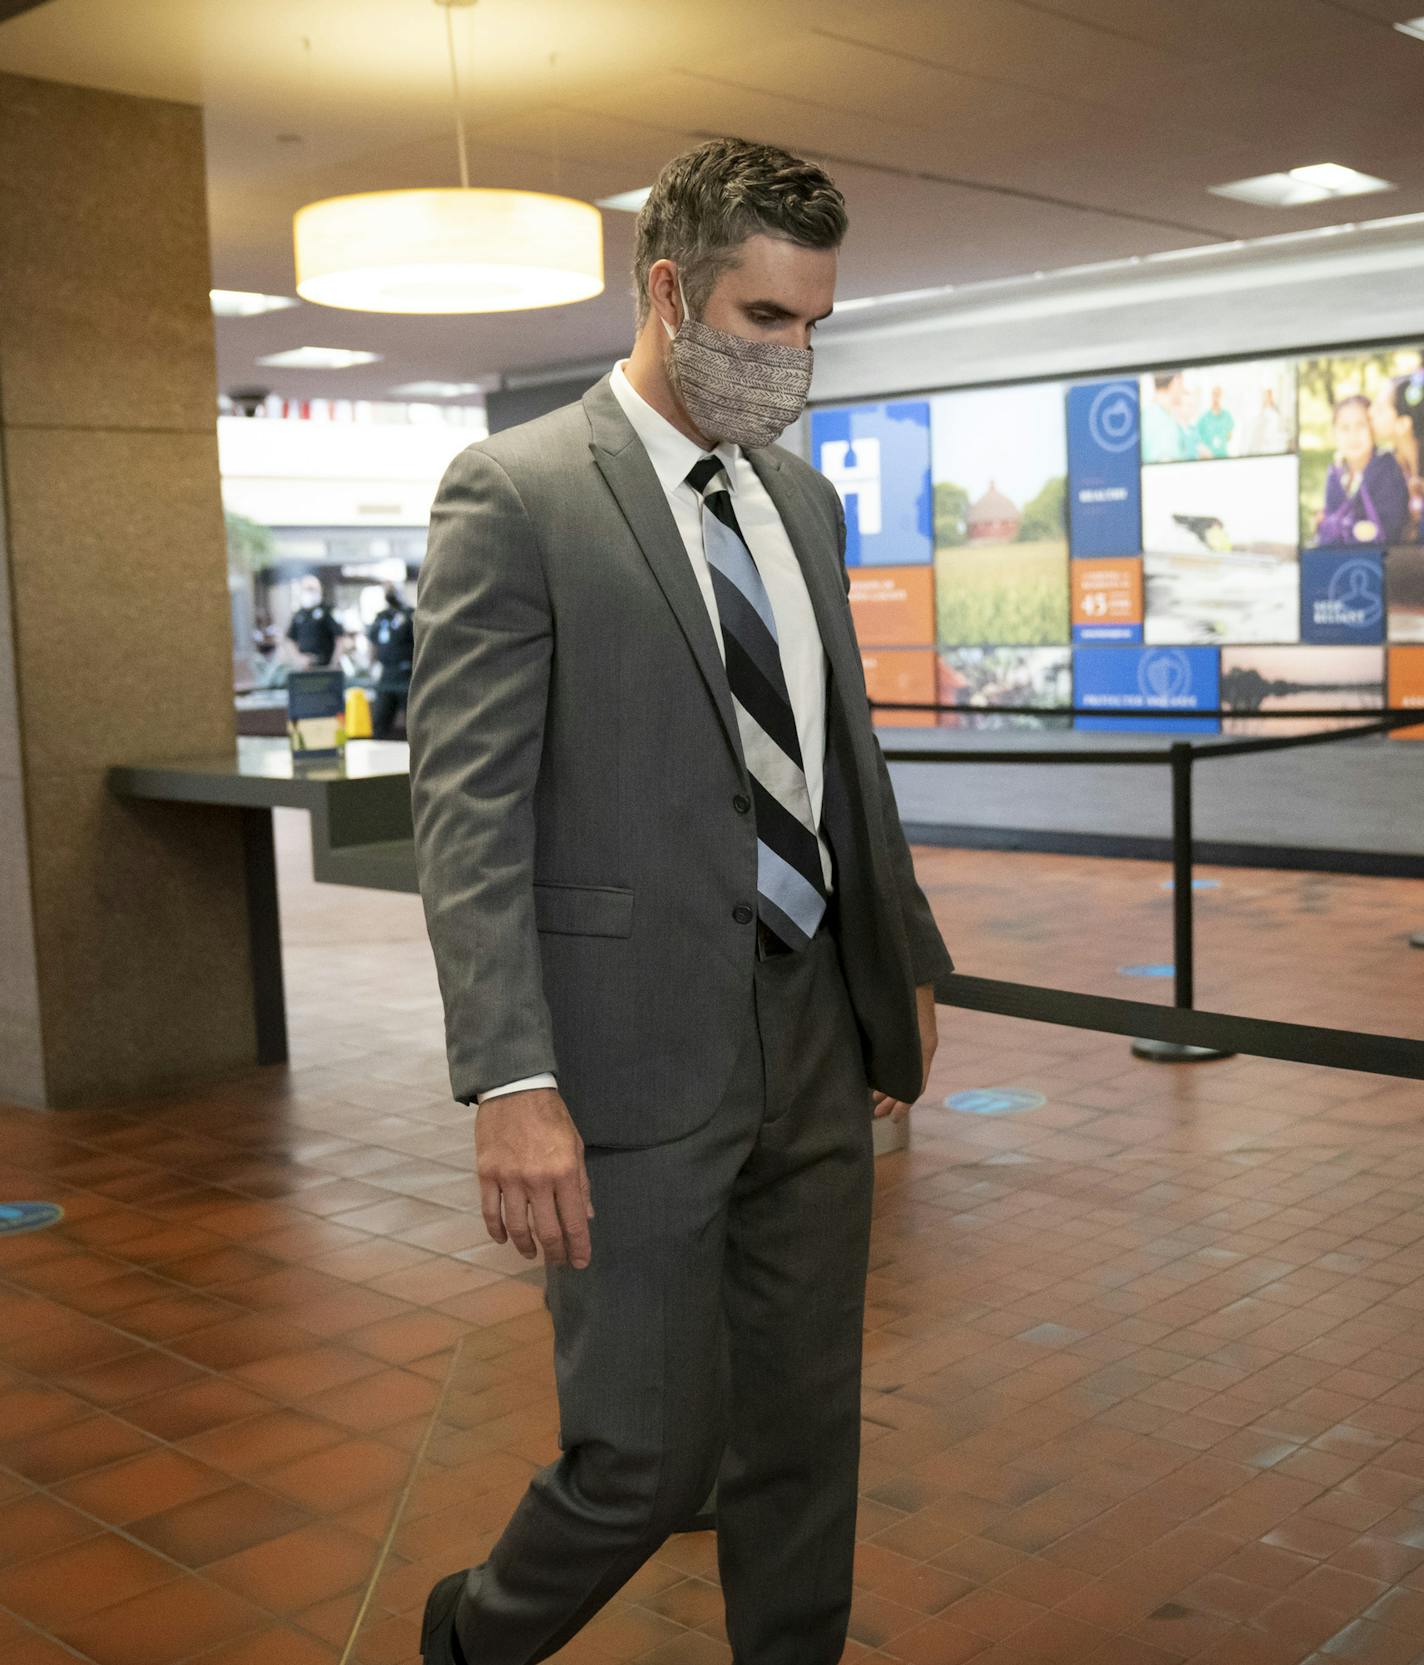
column 716, row 1335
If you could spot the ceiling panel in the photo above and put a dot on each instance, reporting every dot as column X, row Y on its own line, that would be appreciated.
column 1206, row 31
column 974, row 138
column 1387, row 12
column 1378, row 71
column 1005, row 45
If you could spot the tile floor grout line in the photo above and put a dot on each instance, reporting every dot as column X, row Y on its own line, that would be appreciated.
column 398, row 1512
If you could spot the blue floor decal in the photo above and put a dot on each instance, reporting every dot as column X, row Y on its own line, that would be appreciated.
column 993, row 1101
column 28, row 1216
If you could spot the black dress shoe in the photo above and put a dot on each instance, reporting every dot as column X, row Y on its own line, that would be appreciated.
column 439, row 1644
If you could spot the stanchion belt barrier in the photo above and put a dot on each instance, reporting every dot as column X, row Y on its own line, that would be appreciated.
column 1179, row 1024
column 1297, row 1043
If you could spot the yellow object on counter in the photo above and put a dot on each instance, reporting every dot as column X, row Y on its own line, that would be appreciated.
column 358, row 714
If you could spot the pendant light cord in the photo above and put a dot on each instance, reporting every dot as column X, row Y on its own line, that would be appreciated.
column 460, row 144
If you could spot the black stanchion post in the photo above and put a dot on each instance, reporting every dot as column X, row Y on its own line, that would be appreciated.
column 1182, row 756
column 1183, row 948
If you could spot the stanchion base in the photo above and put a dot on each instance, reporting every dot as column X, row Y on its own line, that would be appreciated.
column 1417, row 940
column 1175, row 1052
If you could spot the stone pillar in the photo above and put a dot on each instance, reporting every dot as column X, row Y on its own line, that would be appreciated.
column 123, row 945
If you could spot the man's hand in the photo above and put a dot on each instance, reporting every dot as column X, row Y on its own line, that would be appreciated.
column 533, row 1182
column 881, row 1103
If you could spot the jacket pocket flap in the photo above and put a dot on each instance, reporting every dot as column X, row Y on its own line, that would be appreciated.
column 583, row 910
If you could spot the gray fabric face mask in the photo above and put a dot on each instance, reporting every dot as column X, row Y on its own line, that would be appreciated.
column 744, row 392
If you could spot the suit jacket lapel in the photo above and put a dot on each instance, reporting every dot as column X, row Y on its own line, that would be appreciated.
column 634, row 483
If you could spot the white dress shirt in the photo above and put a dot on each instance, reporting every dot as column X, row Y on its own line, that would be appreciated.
column 803, row 658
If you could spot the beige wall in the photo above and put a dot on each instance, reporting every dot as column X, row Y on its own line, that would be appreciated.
column 123, row 952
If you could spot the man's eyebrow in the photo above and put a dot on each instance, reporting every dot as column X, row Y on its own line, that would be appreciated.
column 780, row 311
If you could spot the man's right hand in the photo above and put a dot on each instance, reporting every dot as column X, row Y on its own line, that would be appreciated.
column 533, row 1182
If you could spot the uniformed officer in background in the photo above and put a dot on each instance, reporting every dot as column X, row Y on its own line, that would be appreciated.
column 392, row 638
column 315, row 631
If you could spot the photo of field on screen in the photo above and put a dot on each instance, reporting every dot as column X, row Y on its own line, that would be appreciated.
column 1000, row 469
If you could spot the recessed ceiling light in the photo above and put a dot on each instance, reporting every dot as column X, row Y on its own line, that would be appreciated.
column 1415, row 27
column 246, row 303
column 626, row 202
column 319, row 358
column 437, row 390
column 1271, row 190
column 1340, row 181
column 1316, row 183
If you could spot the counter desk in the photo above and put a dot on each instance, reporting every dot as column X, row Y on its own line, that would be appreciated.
column 360, row 827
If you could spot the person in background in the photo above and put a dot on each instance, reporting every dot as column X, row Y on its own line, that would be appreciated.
column 1407, row 396
column 1366, row 497
column 1268, row 431
column 1409, row 407
column 316, row 633
column 1215, row 427
column 1165, row 437
column 392, row 639
column 264, row 637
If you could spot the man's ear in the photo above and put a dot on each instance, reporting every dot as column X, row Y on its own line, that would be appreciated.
column 662, row 293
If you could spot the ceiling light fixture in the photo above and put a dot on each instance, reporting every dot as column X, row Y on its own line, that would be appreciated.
column 448, row 250
column 246, row 303
column 1415, row 27
column 626, row 202
column 437, row 390
column 1319, row 182
column 319, row 358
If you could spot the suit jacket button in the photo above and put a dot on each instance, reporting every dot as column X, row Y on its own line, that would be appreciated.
column 742, row 914
column 741, row 803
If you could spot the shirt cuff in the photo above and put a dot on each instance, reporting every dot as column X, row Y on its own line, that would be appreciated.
column 521, row 1086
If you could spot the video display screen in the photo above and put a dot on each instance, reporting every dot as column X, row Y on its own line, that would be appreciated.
column 1005, row 542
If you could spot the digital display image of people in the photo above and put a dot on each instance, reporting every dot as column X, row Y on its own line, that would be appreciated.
column 1217, row 411
column 1362, row 420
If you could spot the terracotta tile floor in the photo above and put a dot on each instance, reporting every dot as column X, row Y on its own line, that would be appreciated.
column 1145, row 1366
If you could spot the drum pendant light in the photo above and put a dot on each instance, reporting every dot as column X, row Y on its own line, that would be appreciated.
column 448, row 250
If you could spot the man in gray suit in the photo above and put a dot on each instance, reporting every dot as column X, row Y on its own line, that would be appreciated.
column 682, row 952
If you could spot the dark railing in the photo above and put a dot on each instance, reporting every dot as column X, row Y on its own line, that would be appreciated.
column 1178, row 1032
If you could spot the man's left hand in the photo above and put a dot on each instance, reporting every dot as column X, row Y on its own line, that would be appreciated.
column 881, row 1104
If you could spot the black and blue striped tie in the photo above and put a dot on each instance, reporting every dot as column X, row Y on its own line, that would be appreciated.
column 791, row 886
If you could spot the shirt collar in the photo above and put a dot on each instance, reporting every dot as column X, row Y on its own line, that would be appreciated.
column 671, row 453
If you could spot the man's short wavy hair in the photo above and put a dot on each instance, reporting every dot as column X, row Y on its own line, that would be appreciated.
column 709, row 200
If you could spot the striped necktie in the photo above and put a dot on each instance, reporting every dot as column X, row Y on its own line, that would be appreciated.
column 791, row 891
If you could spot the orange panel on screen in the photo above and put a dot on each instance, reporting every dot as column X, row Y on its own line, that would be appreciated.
column 1107, row 590
column 1406, row 686
column 893, row 606
column 901, row 675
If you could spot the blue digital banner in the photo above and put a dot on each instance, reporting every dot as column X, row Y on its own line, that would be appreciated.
column 1170, row 680
column 1104, row 469
column 878, row 459
column 1342, row 596
column 1107, row 633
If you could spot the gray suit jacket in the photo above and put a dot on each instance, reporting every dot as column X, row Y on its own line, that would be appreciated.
column 574, row 759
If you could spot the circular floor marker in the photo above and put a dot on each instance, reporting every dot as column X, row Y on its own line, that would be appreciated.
column 993, row 1101
column 28, row 1216
column 1158, row 969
